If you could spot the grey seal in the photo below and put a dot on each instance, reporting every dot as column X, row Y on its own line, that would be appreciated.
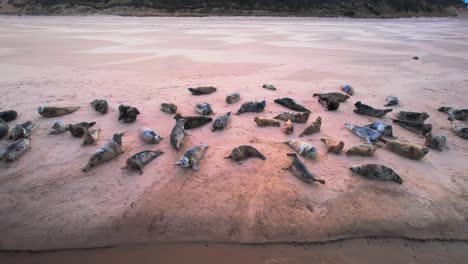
column 24, row 130
column 232, row 97
column 333, row 145
column 15, row 150
column 412, row 116
column 244, row 152
column 384, row 128
column 193, row 121
column 266, row 121
column 288, row 127
column 300, row 118
column 8, row 115
column 128, row 114
column 149, row 136
column 376, row 172
column 291, row 104
column 460, row 114
column 337, row 97
column 459, row 129
column 269, row 87
column 4, row 128
column 253, row 106
column 435, row 141
column 416, row 127
column 330, row 104
column 106, row 152
column 347, row 89
column 363, row 109
column 362, row 150
column 100, row 105
column 202, row 90
column 370, row 135
column 405, row 149
column 299, row 170
column 313, row 128
column 139, row 160
column 58, row 127
column 78, row 130
column 54, row 111
column 204, row 109
column 90, row 137
column 391, row 100
column 178, row 134
column 221, row 122
column 192, row 157
column 169, row 108
column 303, row 148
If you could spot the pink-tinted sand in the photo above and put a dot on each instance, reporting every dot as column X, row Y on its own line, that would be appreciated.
column 46, row 202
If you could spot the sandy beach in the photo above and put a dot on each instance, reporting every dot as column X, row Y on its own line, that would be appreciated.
column 48, row 203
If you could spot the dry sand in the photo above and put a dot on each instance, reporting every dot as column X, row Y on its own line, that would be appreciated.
column 46, row 202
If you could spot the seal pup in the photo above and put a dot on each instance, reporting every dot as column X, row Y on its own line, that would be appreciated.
column 337, row 97
column 391, row 100
column 266, row 121
column 4, row 128
column 221, row 122
column 412, row 116
column 15, row 150
column 8, row 115
column 106, row 152
column 192, row 156
column 149, row 136
column 329, row 103
column 169, row 108
column 347, row 89
column 90, row 137
column 301, row 118
column 384, row 128
column 405, row 149
column 204, row 109
column 416, row 127
column 79, row 129
column 291, row 104
column 303, row 148
column 100, row 105
column 288, row 127
column 460, row 114
column 376, row 172
column 459, row 129
column 435, row 141
column 269, row 87
column 362, row 150
column 178, row 134
column 363, row 109
column 253, row 106
column 53, row 111
column 232, row 97
column 202, row 90
column 58, row 127
column 244, row 152
column 140, row 159
column 313, row 128
column 193, row 121
column 370, row 135
column 299, row 170
column 128, row 114
column 333, row 145
column 24, row 130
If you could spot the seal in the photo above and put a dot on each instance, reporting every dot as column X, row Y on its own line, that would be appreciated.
column 384, row 128
column 100, row 105
column 303, row 148
column 53, row 111
column 58, row 127
column 376, row 172
column 202, row 90
column 269, row 87
column 370, row 135
column 15, row 150
column 405, row 149
column 313, row 128
column 193, row 121
column 232, row 98
column 347, row 89
column 178, row 134
column 266, row 121
column 459, row 129
column 253, row 106
column 392, row 100
column 78, row 130
column 128, row 114
column 221, row 122
column 291, row 104
column 362, row 150
column 169, row 108
column 149, row 136
column 8, row 115
column 299, row 170
column 244, row 152
column 4, row 128
column 460, row 114
column 329, row 103
column 363, row 109
column 90, row 137
column 288, row 127
column 192, row 156
column 416, row 127
column 106, row 152
column 294, row 117
column 140, row 159
column 436, row 142
column 412, row 116
column 24, row 130
column 333, row 145
column 204, row 109
column 337, row 97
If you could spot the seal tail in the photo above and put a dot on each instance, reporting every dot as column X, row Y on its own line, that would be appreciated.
column 261, row 156
column 320, row 181
column 388, row 110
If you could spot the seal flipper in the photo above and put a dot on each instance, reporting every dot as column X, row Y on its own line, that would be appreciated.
column 320, row 181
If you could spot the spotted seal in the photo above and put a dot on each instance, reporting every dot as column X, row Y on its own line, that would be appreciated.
column 169, row 108
column 128, row 114
column 24, row 130
column 376, row 172
column 363, row 109
column 106, row 152
column 412, row 116
column 221, row 122
column 313, row 128
column 204, row 109
column 415, row 127
column 78, row 130
column 291, row 104
column 299, row 170
column 391, row 100
column 253, row 106
column 459, row 129
column 53, row 111
column 337, row 97
column 202, row 90
column 333, row 145
column 8, row 115
column 149, row 136
column 460, row 114
column 178, row 134
column 244, row 152
column 303, row 148
column 266, row 121
column 405, row 149
column 58, row 127
column 90, row 137
column 384, row 128
column 192, row 156
column 362, row 150
column 300, row 118
column 139, row 160
column 370, row 135
column 435, row 141
column 15, row 150
column 232, row 97
column 100, row 105
column 193, row 121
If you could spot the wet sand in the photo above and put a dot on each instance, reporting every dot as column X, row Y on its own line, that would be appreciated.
column 46, row 202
